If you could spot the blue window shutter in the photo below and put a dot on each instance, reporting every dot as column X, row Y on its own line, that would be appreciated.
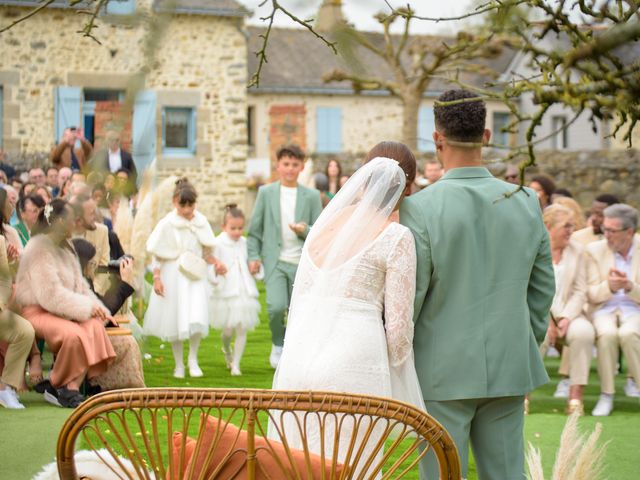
column 143, row 130
column 121, row 7
column 329, row 130
column 68, row 111
column 426, row 126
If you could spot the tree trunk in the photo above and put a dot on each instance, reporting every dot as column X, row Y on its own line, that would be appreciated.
column 410, row 108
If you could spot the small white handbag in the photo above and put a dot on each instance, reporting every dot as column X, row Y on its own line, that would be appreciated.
column 192, row 266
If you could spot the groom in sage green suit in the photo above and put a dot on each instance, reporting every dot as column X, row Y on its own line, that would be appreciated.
column 485, row 284
column 281, row 218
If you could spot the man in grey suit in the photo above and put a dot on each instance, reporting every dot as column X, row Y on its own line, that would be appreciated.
column 485, row 284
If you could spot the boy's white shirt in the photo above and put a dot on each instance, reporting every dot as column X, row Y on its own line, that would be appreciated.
column 291, row 250
column 233, row 254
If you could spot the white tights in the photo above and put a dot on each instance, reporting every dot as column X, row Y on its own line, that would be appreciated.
column 194, row 344
column 239, row 344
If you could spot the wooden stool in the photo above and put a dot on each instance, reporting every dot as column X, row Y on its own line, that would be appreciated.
column 120, row 319
column 115, row 331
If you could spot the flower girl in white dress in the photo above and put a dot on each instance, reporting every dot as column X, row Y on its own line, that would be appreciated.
column 181, row 244
column 234, row 300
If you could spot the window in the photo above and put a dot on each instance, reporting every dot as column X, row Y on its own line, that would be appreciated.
column 560, row 139
column 426, row 126
column 178, row 131
column 121, row 7
column 500, row 121
column 329, row 130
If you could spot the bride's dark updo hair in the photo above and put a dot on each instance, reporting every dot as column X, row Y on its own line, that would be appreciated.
column 400, row 153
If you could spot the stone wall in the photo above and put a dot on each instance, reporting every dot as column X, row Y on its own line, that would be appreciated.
column 366, row 119
column 585, row 174
column 199, row 62
column 588, row 174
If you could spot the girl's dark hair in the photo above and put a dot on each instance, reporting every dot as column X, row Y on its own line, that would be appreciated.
column 57, row 211
column 84, row 250
column 34, row 198
column 400, row 153
column 326, row 170
column 185, row 193
column 231, row 210
column 547, row 184
column 4, row 198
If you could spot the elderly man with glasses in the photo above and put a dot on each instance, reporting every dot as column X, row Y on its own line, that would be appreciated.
column 613, row 278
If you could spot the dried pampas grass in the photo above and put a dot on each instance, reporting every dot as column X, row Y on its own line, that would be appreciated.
column 579, row 457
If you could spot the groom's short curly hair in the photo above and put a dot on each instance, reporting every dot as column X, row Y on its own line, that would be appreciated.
column 463, row 121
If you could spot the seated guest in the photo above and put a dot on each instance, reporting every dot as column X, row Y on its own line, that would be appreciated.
column 64, row 174
column 544, row 187
column 7, row 231
column 95, row 233
column 126, row 370
column 52, row 179
column 593, row 231
column 578, row 217
column 17, row 333
column 63, row 310
column 29, row 208
column 613, row 277
column 37, row 176
column 568, row 321
column 44, row 193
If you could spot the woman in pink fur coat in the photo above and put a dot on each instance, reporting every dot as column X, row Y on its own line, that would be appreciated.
column 63, row 310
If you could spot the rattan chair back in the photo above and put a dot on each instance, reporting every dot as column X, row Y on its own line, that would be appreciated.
column 134, row 433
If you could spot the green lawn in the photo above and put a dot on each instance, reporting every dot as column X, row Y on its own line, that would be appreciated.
column 28, row 437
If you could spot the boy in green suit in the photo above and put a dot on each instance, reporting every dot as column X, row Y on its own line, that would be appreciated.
column 485, row 284
column 280, row 222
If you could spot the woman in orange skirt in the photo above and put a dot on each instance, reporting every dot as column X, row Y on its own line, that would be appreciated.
column 63, row 310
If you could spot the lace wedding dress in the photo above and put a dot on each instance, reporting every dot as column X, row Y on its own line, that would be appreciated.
column 350, row 326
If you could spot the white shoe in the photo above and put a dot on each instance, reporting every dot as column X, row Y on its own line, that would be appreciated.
column 9, row 399
column 178, row 372
column 194, row 370
column 274, row 358
column 228, row 356
column 631, row 389
column 553, row 352
column 235, row 370
column 604, row 407
column 562, row 390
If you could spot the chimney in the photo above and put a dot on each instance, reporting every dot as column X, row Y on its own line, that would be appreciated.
column 329, row 15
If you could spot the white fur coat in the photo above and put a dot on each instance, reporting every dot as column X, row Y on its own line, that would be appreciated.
column 50, row 276
column 89, row 464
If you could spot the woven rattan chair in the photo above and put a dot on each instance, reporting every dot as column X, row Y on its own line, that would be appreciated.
column 143, row 434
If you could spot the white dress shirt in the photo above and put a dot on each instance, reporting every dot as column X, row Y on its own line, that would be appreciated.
column 291, row 245
column 620, row 300
column 115, row 161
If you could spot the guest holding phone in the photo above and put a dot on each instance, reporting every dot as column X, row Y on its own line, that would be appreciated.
column 65, row 154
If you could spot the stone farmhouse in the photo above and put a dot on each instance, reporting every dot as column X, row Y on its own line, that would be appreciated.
column 185, row 70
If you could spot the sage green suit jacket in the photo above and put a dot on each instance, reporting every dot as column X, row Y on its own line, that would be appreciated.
column 264, row 240
column 485, row 284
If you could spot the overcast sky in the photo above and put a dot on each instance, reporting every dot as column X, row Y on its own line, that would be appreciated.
column 361, row 12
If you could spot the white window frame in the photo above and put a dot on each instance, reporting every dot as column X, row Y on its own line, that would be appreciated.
column 190, row 150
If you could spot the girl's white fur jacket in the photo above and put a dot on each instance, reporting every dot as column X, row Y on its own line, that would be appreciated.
column 50, row 276
column 233, row 254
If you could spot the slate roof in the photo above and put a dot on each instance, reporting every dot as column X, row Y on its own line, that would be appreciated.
column 297, row 62
column 225, row 8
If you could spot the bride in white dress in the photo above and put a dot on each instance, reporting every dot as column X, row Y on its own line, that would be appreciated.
column 350, row 325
